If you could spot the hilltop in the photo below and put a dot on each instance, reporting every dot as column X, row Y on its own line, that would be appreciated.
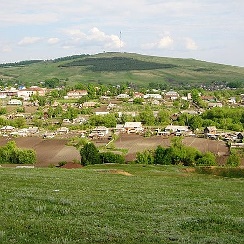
column 119, row 68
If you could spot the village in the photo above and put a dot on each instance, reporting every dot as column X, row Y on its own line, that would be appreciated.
column 23, row 104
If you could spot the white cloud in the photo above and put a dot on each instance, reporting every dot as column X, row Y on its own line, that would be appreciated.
column 94, row 37
column 190, row 44
column 165, row 42
column 29, row 40
column 53, row 40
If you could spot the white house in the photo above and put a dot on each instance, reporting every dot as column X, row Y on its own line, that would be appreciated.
column 133, row 127
column 76, row 94
column 172, row 95
column 63, row 130
column 153, row 96
column 99, row 131
column 7, row 128
column 123, row 96
column 26, row 93
column 15, row 102
column 179, row 129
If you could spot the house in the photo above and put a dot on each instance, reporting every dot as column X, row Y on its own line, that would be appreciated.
column 177, row 129
column 15, row 102
column 12, row 92
column 132, row 114
column 111, row 106
column 208, row 98
column 122, row 96
column 119, row 128
column 159, row 132
column 3, row 95
column 26, row 93
column 66, row 121
column 63, row 130
column 133, row 127
column 99, row 131
column 89, row 104
column 214, row 105
column 79, row 120
column 232, row 100
column 152, row 96
column 210, row 131
column 171, row 95
column 101, row 113
column 76, row 94
column 7, row 128
column 33, row 130
column 138, row 95
column 240, row 136
column 22, row 132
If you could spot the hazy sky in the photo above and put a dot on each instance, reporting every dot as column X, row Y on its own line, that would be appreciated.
column 211, row 30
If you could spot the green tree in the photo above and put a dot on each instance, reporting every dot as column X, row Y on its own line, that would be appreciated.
column 233, row 160
column 163, row 117
column 145, row 157
column 208, row 159
column 3, row 110
column 89, row 154
column 51, row 83
column 109, row 157
column 26, row 156
column 147, row 117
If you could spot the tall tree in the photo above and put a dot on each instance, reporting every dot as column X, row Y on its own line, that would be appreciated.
column 89, row 154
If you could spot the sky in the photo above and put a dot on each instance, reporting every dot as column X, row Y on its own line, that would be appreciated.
column 208, row 30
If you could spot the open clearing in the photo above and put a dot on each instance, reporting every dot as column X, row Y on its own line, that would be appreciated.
column 99, row 204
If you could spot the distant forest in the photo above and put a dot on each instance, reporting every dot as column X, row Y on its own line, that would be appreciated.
column 117, row 64
column 21, row 63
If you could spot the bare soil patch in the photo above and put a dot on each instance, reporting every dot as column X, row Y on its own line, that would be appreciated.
column 135, row 143
column 115, row 171
column 49, row 151
column 72, row 165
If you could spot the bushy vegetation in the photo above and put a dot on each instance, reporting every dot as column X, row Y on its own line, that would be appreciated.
column 91, row 155
column 11, row 154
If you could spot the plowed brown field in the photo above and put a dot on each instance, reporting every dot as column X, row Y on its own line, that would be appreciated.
column 52, row 151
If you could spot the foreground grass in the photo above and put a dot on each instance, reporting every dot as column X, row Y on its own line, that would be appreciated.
column 156, row 204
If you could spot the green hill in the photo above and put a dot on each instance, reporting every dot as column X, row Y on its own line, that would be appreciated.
column 117, row 68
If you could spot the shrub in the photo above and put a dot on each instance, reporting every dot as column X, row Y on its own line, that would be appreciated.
column 109, row 157
column 208, row 159
column 233, row 160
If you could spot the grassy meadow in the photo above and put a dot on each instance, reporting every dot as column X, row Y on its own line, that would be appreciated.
column 119, row 204
column 118, row 68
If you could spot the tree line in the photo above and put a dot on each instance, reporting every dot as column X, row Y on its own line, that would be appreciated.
column 11, row 154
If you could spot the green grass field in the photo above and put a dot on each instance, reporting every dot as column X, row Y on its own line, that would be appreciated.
column 99, row 204
column 118, row 68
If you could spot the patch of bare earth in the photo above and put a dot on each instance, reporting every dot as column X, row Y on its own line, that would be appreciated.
column 115, row 171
